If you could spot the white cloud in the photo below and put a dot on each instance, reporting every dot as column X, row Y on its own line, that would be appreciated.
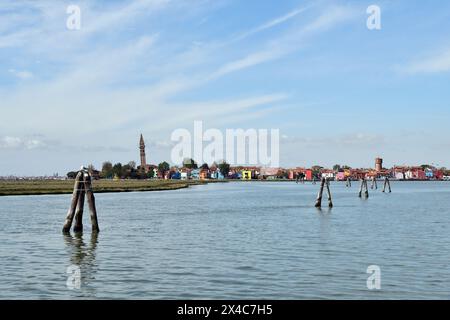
column 332, row 16
column 432, row 64
column 23, row 75
column 290, row 42
column 40, row 142
column 10, row 142
column 246, row 62
column 213, row 112
column 27, row 143
column 106, row 90
column 120, row 16
column 272, row 23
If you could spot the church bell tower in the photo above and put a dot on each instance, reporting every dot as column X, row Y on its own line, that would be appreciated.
column 142, row 151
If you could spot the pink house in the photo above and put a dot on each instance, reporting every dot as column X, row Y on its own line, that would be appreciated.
column 340, row 176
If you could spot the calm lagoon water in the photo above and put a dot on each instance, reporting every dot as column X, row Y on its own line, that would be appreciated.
column 232, row 241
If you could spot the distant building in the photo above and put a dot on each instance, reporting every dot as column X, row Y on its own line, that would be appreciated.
column 246, row 175
column 204, row 174
column 306, row 174
column 216, row 174
column 195, row 174
column 144, row 166
column 378, row 164
column 415, row 173
column 340, row 176
column 184, row 175
column 328, row 174
column 142, row 149
column 429, row 173
column 269, row 173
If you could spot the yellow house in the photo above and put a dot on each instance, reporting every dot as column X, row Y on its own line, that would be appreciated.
column 246, row 175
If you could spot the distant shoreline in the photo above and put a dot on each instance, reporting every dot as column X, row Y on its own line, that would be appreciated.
column 58, row 187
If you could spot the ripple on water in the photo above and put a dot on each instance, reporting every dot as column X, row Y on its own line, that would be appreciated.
column 232, row 241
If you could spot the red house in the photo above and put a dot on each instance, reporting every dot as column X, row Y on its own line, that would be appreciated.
column 439, row 175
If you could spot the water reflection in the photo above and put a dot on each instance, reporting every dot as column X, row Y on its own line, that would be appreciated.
column 324, row 212
column 83, row 256
column 324, row 220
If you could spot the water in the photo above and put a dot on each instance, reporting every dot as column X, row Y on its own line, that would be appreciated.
column 232, row 241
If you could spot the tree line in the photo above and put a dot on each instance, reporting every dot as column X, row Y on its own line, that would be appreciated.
column 131, row 171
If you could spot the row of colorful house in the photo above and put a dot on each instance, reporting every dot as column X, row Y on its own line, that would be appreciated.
column 305, row 174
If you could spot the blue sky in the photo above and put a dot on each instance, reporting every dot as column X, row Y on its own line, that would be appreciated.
column 338, row 92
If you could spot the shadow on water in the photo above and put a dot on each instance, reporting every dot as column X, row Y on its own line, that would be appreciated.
column 82, row 255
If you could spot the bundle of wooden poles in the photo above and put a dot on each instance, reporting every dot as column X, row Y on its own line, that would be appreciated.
column 82, row 189
column 324, row 183
column 364, row 187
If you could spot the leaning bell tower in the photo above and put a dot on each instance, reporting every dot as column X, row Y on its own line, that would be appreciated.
column 142, row 151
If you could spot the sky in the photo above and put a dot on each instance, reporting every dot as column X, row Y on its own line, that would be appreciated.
column 338, row 92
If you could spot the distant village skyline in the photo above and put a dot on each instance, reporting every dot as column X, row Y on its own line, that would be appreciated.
column 337, row 91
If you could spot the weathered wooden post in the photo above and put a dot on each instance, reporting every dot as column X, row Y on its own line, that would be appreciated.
column 374, row 183
column 320, row 194
column 91, row 202
column 348, row 183
column 364, row 187
column 78, row 226
column 324, row 183
column 367, row 188
column 82, row 188
column 387, row 183
column 330, row 202
column 73, row 205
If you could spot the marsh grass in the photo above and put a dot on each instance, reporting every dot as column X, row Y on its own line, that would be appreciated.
column 37, row 187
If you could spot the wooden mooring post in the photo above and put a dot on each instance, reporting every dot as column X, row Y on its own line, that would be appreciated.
column 330, row 201
column 78, row 226
column 374, row 184
column 324, row 183
column 348, row 183
column 387, row 183
column 364, row 187
column 91, row 202
column 82, row 189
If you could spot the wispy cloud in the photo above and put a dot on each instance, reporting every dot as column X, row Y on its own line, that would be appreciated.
column 246, row 62
column 24, row 74
column 111, row 82
column 118, row 16
column 41, row 142
column 289, row 42
column 273, row 23
column 437, row 63
column 359, row 140
column 214, row 112
column 27, row 143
